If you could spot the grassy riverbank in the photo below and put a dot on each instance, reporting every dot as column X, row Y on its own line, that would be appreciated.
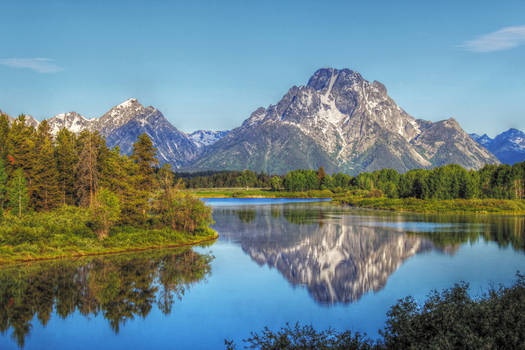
column 361, row 200
column 257, row 193
column 453, row 206
column 68, row 232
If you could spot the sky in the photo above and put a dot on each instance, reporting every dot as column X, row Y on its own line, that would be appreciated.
column 210, row 64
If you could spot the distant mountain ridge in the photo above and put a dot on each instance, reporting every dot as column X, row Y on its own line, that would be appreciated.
column 338, row 120
column 509, row 146
column 123, row 123
column 344, row 123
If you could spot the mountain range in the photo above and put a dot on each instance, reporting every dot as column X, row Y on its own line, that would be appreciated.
column 338, row 120
column 509, row 146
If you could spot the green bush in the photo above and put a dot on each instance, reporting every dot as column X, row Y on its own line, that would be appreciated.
column 450, row 319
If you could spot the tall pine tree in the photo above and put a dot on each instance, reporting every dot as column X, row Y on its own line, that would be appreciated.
column 87, row 168
column 45, row 194
column 4, row 133
column 20, row 147
column 66, row 159
column 17, row 193
column 144, row 155
column 3, row 185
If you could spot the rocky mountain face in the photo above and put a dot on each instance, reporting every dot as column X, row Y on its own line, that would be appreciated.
column 345, row 123
column 72, row 121
column 204, row 138
column 173, row 146
column 338, row 120
column 122, row 124
column 509, row 146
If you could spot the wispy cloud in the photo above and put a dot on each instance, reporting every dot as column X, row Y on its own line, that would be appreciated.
column 503, row 39
column 41, row 65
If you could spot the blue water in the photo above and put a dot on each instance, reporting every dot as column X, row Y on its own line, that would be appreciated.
column 279, row 261
column 216, row 202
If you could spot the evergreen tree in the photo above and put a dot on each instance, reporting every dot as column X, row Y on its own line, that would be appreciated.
column 45, row 194
column 3, row 185
column 119, row 174
column 20, row 147
column 17, row 193
column 66, row 159
column 4, row 134
column 87, row 169
column 144, row 155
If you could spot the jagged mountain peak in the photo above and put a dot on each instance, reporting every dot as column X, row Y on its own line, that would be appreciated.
column 512, row 132
column 509, row 146
column 345, row 123
column 325, row 78
column 72, row 121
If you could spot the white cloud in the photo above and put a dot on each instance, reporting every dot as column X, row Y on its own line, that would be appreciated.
column 503, row 39
column 41, row 65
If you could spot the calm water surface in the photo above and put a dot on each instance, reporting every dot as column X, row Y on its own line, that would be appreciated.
column 276, row 261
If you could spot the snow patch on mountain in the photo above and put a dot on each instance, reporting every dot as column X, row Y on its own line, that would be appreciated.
column 203, row 138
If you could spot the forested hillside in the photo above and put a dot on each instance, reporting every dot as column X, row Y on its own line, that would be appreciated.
column 66, row 190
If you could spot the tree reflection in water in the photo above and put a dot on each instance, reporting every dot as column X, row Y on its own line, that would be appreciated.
column 119, row 287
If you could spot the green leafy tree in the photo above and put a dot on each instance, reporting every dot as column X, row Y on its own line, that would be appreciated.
column 105, row 211
column 17, row 193
column 247, row 179
column 276, row 183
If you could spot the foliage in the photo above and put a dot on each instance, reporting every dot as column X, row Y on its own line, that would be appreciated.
column 306, row 337
column 17, row 193
column 276, row 183
column 450, row 319
column 71, row 231
column 43, row 176
column 105, row 211
column 478, row 206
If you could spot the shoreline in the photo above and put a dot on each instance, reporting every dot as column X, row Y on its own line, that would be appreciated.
column 114, row 252
column 444, row 207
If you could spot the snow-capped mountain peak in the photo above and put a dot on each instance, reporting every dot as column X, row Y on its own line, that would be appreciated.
column 72, row 121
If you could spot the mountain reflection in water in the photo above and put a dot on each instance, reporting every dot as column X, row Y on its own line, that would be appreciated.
column 340, row 255
column 119, row 287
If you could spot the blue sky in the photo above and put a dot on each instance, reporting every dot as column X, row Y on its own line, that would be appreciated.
column 209, row 64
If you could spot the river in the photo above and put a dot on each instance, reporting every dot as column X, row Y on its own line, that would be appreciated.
column 276, row 261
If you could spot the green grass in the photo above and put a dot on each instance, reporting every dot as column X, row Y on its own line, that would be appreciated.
column 474, row 206
column 66, row 232
column 257, row 193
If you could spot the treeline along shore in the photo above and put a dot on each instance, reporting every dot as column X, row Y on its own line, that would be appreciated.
column 449, row 188
column 70, row 195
